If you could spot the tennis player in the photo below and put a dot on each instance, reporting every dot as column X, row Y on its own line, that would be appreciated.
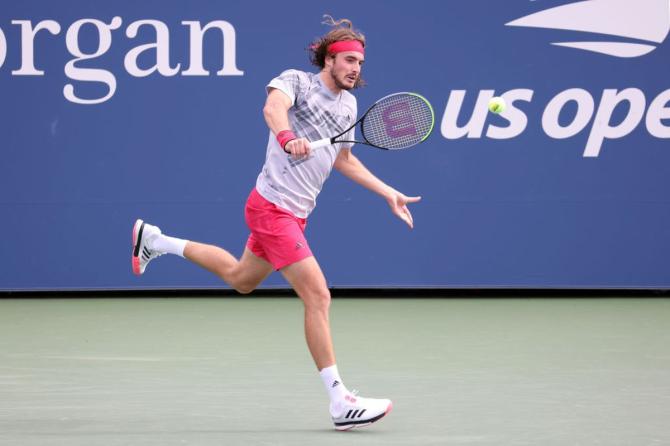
column 300, row 107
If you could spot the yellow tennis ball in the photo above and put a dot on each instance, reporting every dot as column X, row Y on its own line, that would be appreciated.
column 497, row 105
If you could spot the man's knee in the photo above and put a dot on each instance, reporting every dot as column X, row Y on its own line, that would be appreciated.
column 244, row 289
column 318, row 300
column 242, row 283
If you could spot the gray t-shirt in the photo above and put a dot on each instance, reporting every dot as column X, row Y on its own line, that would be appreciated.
column 316, row 113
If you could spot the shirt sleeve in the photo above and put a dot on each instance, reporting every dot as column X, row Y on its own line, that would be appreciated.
column 351, row 134
column 291, row 82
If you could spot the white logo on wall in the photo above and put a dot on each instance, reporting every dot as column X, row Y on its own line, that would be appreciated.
column 637, row 21
column 158, row 50
column 642, row 20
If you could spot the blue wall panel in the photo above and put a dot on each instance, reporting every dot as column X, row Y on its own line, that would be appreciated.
column 527, row 210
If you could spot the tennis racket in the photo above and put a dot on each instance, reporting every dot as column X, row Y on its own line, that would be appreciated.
column 394, row 122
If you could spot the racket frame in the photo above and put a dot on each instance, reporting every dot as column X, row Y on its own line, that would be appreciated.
column 314, row 145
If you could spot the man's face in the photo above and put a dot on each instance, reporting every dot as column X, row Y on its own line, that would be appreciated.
column 345, row 68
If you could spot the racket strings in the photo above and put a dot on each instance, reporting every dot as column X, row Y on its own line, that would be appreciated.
column 398, row 121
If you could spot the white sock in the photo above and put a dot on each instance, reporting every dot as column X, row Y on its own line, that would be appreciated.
column 169, row 245
column 334, row 385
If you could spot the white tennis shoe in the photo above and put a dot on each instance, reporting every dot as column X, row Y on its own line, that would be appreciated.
column 142, row 255
column 356, row 411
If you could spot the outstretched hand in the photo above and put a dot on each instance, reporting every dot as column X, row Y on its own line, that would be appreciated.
column 398, row 203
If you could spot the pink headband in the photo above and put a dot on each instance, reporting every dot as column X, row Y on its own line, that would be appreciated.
column 346, row 45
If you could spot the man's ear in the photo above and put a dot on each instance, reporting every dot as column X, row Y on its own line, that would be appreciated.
column 329, row 60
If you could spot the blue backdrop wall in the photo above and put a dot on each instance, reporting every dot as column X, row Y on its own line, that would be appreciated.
column 111, row 111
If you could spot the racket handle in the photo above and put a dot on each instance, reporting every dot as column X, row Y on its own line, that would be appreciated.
column 319, row 143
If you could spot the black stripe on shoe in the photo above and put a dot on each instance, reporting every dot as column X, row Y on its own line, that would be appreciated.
column 371, row 420
column 138, row 242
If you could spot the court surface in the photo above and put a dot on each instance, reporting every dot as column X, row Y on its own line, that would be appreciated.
column 236, row 371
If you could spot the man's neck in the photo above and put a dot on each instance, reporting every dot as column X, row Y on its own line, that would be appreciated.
column 329, row 82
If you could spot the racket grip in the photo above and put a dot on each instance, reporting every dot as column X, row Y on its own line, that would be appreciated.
column 319, row 143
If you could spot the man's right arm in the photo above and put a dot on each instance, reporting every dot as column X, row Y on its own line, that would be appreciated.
column 275, row 112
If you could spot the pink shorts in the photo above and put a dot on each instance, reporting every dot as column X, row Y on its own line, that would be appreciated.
column 276, row 234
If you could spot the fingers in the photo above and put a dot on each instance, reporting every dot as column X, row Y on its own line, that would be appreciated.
column 298, row 148
column 407, row 219
column 405, row 215
column 401, row 209
column 408, row 216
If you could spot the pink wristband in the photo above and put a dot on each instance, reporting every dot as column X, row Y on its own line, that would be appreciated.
column 284, row 137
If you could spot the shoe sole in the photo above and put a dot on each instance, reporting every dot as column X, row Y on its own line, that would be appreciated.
column 138, row 228
column 346, row 427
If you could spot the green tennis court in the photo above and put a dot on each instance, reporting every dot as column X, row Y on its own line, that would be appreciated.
column 236, row 371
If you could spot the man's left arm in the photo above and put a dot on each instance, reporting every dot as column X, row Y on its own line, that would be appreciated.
column 353, row 168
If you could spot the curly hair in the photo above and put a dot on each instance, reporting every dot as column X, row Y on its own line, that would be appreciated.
column 342, row 30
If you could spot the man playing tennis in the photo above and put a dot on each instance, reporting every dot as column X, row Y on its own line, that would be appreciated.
column 300, row 107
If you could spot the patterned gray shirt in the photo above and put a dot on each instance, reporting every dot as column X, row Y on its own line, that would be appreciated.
column 316, row 113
